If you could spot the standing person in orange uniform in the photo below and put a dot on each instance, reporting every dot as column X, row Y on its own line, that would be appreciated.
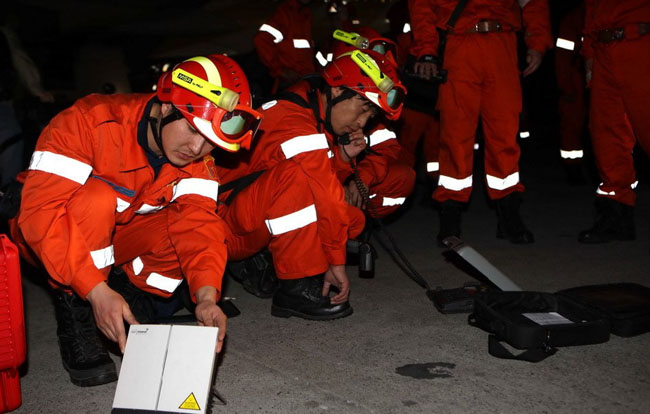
column 305, row 128
column 617, row 53
column 108, row 167
column 483, row 81
column 572, row 105
column 384, row 169
column 285, row 45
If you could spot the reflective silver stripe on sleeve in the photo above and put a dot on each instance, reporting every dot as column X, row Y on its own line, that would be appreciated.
column 122, row 205
column 163, row 282
column 497, row 183
column 565, row 44
column 330, row 154
column 103, row 257
column 388, row 201
column 634, row 184
column 455, row 184
column 198, row 186
column 433, row 166
column 292, row 221
column 571, row 155
column 381, row 135
column 137, row 265
column 524, row 134
column 304, row 143
column 146, row 209
column 476, row 146
column 60, row 165
column 277, row 35
column 406, row 28
column 301, row 44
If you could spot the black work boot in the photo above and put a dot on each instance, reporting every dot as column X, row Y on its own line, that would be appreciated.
column 256, row 274
column 84, row 355
column 303, row 298
column 614, row 221
column 449, row 213
column 509, row 225
column 140, row 302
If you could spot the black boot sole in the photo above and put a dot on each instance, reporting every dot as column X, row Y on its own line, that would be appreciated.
column 104, row 374
column 286, row 313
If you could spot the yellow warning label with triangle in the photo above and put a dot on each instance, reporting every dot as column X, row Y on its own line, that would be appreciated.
column 190, row 403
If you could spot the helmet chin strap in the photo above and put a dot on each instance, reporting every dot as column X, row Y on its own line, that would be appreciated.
column 346, row 94
column 156, row 128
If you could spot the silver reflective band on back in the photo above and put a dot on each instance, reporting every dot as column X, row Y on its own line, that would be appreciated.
column 497, row 183
column 277, row 35
column 293, row 221
column 301, row 44
column 146, row 209
column 196, row 186
column 304, row 143
column 433, row 166
column 455, row 184
column 121, row 205
column 103, row 257
column 565, row 44
column 388, row 201
column 269, row 104
column 60, row 165
column 163, row 282
column 381, row 135
column 137, row 265
column 571, row 155
column 321, row 59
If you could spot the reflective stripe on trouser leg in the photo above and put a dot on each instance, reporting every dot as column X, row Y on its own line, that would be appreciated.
column 393, row 190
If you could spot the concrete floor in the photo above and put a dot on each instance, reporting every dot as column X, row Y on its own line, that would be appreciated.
column 396, row 353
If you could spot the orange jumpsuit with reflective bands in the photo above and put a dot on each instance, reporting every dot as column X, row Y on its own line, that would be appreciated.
column 483, row 80
column 290, row 134
column 383, row 170
column 620, row 90
column 90, row 194
column 285, row 42
column 414, row 124
column 570, row 76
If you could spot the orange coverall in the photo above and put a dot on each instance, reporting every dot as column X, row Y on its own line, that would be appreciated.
column 285, row 42
column 389, row 178
column 91, row 193
column 620, row 92
column 569, row 73
column 290, row 133
column 483, row 80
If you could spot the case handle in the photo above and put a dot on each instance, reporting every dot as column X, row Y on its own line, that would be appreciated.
column 496, row 349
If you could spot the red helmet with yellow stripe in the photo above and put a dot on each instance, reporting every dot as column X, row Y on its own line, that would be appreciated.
column 212, row 93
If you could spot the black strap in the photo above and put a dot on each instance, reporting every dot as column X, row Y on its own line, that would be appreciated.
column 238, row 185
column 442, row 33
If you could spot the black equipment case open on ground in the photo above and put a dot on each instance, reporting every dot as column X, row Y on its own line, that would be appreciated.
column 536, row 322
column 539, row 322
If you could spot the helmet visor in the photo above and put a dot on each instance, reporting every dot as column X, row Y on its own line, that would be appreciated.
column 382, row 46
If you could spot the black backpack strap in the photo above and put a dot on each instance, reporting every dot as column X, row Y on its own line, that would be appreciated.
column 238, row 185
column 442, row 33
column 456, row 13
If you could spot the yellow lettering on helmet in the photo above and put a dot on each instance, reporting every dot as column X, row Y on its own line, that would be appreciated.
column 354, row 39
column 220, row 96
column 370, row 68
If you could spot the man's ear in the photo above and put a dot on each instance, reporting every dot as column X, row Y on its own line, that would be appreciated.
column 165, row 108
column 336, row 91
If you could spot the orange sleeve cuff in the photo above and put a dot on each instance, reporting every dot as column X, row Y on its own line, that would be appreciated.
column 83, row 285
